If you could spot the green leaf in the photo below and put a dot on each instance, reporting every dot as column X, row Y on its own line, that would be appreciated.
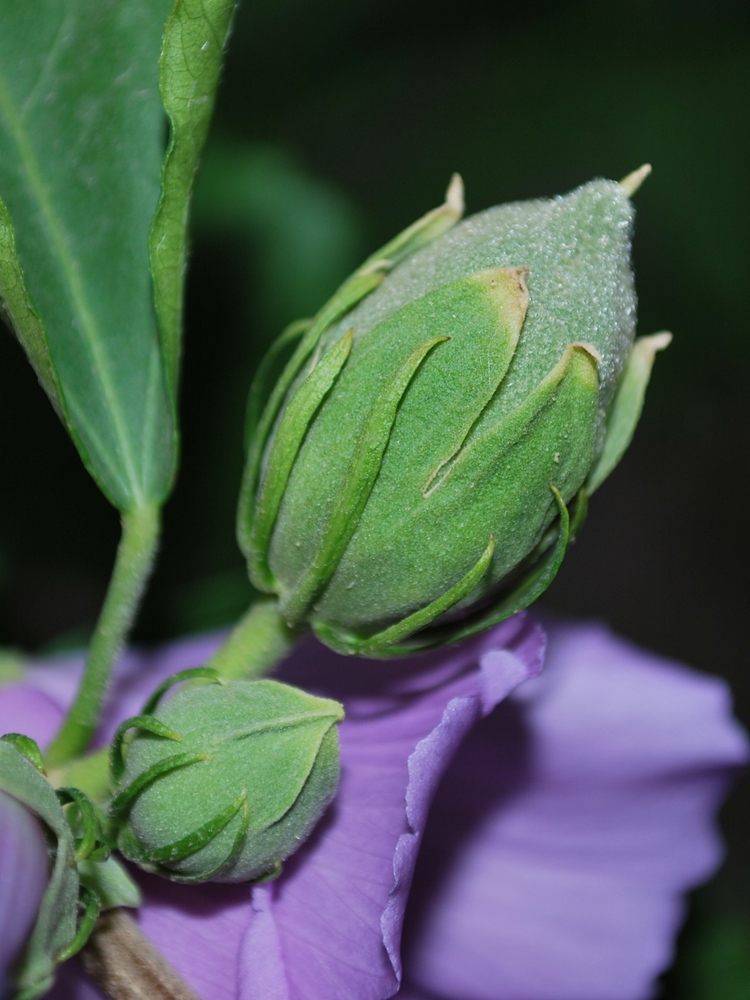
column 18, row 310
column 81, row 144
column 28, row 747
column 627, row 405
column 55, row 928
column 195, row 35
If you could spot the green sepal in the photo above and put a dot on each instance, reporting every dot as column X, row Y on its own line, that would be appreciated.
column 360, row 479
column 199, row 838
column 221, row 865
column 122, row 801
column 91, row 910
column 110, row 882
column 28, row 748
column 271, row 875
column 532, row 587
column 195, row 35
column 145, row 722
column 413, row 623
column 191, row 674
column 55, row 928
column 364, row 281
column 580, row 514
column 287, row 441
column 483, row 314
column 232, row 853
column 89, row 822
column 422, row 232
column 627, row 405
column 260, row 387
column 350, row 293
column 506, row 471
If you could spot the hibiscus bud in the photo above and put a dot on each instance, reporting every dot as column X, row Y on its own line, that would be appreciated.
column 430, row 441
column 224, row 781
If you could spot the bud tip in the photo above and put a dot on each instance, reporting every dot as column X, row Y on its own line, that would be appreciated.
column 454, row 196
column 589, row 349
column 660, row 340
column 632, row 182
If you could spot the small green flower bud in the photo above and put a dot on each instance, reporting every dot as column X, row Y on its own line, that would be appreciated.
column 224, row 781
column 430, row 440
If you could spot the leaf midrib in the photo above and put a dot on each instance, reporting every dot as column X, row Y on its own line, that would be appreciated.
column 67, row 263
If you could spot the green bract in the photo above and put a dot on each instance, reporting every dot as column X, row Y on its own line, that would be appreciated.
column 224, row 781
column 424, row 447
column 83, row 877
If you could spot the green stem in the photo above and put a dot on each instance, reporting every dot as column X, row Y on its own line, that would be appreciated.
column 259, row 641
column 135, row 557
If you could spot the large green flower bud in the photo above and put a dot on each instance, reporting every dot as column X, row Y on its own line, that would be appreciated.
column 429, row 433
column 222, row 782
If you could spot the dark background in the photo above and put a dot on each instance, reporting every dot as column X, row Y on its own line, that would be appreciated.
column 337, row 124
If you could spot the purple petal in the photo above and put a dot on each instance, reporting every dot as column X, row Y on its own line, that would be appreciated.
column 136, row 675
column 24, row 869
column 570, row 825
column 331, row 926
column 25, row 709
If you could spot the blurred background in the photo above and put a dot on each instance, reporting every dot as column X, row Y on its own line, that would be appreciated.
column 338, row 123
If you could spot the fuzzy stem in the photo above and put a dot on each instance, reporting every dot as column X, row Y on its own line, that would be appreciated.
column 135, row 557
column 259, row 641
column 126, row 966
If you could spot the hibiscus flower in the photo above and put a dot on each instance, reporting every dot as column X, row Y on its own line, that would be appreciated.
column 553, row 835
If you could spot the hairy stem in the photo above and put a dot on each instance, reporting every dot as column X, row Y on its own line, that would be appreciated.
column 125, row 964
column 135, row 557
column 259, row 641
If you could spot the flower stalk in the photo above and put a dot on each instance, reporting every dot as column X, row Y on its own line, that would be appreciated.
column 135, row 558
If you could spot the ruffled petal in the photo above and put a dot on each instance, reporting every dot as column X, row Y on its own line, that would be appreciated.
column 331, row 927
column 570, row 825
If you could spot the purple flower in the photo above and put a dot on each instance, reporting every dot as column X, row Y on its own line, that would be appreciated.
column 24, row 867
column 564, row 832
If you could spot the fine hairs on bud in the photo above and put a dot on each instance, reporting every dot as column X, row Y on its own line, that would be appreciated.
column 456, row 412
column 223, row 781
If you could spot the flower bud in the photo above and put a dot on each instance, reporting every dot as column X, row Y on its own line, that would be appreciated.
column 224, row 781
column 428, row 445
